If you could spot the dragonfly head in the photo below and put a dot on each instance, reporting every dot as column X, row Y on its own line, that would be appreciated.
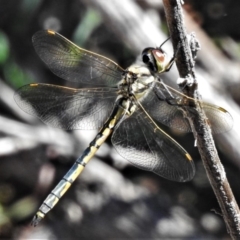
column 156, row 59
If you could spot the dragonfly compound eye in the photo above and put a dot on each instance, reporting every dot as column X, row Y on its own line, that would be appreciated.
column 148, row 58
column 161, row 60
column 159, row 55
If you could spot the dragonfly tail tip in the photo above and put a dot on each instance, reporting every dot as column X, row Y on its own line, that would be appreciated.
column 36, row 219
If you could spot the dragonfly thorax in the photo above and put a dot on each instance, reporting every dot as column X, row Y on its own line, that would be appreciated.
column 136, row 81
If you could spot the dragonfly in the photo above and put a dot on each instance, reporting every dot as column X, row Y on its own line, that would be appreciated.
column 128, row 104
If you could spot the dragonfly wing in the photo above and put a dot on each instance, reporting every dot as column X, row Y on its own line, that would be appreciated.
column 171, row 113
column 161, row 111
column 146, row 146
column 67, row 108
column 72, row 63
column 220, row 120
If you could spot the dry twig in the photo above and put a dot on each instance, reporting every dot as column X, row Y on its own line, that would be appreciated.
column 206, row 146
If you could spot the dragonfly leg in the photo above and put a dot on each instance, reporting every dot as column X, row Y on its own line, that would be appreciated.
column 163, row 93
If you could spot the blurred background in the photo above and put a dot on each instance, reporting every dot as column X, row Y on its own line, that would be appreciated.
column 111, row 199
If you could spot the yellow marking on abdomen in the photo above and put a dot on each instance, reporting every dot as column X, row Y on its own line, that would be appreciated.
column 61, row 188
column 103, row 138
column 74, row 172
column 51, row 200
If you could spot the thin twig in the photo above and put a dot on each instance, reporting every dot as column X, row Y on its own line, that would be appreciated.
column 203, row 136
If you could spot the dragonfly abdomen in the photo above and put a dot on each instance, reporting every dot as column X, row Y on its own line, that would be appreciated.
column 78, row 166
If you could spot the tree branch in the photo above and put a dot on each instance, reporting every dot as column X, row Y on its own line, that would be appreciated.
column 203, row 136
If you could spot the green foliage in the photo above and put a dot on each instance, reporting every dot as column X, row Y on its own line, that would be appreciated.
column 4, row 48
column 91, row 20
column 16, row 75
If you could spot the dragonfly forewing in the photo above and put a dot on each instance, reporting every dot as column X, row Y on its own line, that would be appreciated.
column 170, row 111
column 72, row 63
column 67, row 108
column 219, row 119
